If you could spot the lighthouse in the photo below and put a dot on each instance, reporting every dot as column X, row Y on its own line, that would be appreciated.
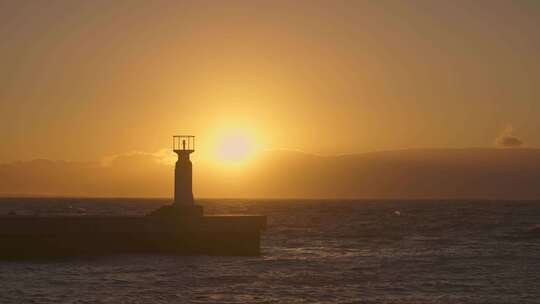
column 183, row 146
column 183, row 203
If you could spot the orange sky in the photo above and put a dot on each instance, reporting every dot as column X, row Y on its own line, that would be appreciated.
column 84, row 80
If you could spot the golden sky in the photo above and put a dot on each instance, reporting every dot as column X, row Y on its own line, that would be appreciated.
column 81, row 80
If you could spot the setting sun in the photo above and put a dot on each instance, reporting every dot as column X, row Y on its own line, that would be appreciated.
column 235, row 148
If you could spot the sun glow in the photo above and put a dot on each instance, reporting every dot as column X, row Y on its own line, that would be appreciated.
column 235, row 148
column 234, row 143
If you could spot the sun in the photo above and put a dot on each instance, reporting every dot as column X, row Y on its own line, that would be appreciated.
column 235, row 148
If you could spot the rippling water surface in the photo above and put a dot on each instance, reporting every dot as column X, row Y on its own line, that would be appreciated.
column 315, row 251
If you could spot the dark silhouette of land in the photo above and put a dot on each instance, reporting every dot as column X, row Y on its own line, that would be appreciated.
column 426, row 173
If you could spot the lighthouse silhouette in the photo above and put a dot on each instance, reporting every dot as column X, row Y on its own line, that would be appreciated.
column 183, row 146
column 183, row 205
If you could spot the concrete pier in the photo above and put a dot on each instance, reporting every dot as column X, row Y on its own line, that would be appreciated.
column 34, row 237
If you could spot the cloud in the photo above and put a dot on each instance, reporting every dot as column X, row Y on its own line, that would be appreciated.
column 163, row 157
column 128, row 174
column 507, row 139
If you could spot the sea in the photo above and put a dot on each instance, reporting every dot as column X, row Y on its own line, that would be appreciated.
column 313, row 251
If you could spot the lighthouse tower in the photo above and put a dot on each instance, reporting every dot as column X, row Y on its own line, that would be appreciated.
column 183, row 145
column 183, row 205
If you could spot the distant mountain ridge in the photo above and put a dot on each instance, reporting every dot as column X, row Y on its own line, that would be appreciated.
column 477, row 173
column 416, row 173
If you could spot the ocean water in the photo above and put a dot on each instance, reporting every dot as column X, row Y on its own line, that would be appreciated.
column 316, row 251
